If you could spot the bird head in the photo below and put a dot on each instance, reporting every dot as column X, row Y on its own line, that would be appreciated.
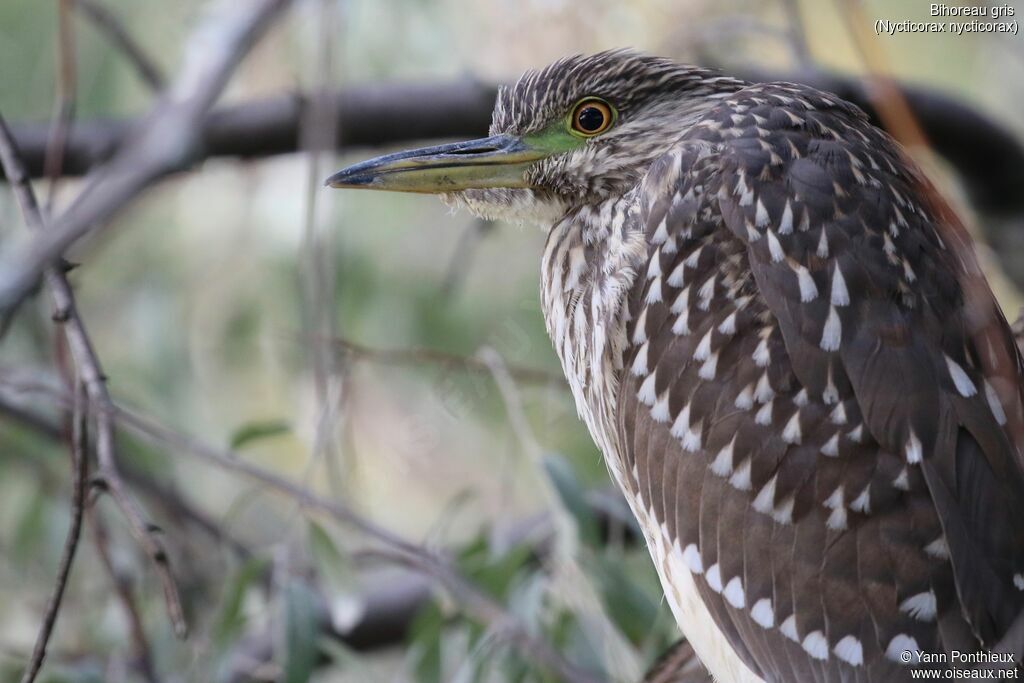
column 579, row 131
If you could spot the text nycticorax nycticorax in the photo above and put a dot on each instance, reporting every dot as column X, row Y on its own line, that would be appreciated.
column 784, row 347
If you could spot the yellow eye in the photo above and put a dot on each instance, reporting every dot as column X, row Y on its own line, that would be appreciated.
column 592, row 117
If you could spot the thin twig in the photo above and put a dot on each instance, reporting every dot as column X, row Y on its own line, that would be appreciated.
column 64, row 106
column 91, row 374
column 445, row 359
column 164, row 495
column 462, row 255
column 883, row 91
column 125, row 596
column 152, row 431
column 79, row 468
column 574, row 587
column 400, row 550
column 114, row 29
column 392, row 605
column 160, row 146
column 319, row 132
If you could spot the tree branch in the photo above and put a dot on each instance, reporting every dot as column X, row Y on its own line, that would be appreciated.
column 391, row 605
column 115, row 31
column 418, row 558
column 79, row 468
column 122, row 585
column 988, row 157
column 162, row 143
column 372, row 115
column 165, row 495
column 437, row 358
column 91, row 375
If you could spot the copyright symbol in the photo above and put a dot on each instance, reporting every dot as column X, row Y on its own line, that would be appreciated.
column 905, row 656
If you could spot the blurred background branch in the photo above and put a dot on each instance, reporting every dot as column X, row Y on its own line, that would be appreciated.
column 986, row 155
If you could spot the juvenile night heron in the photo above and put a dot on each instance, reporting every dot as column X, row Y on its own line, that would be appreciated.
column 781, row 342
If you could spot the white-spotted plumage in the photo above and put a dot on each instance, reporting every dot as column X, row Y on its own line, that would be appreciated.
column 788, row 628
column 832, row 333
column 745, row 399
column 733, row 593
column 808, row 289
column 646, row 392
column 786, row 222
column 740, row 478
column 961, row 381
column 714, row 578
column 765, row 500
column 913, row 449
column 816, row 645
column 839, row 294
column 639, row 367
column 659, row 411
column 762, row 613
column 692, row 558
column 922, row 606
column 775, row 247
column 762, row 356
column 899, row 646
column 850, row 650
column 729, row 381
column 792, row 433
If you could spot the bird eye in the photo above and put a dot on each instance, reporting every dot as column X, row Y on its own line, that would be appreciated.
column 591, row 117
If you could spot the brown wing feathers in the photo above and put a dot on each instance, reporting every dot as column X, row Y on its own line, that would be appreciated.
column 802, row 397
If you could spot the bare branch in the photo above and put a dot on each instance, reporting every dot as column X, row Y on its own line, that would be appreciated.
column 678, row 664
column 163, row 494
column 395, row 548
column 79, row 468
column 122, row 585
column 367, row 115
column 318, row 132
column 114, row 29
column 391, row 604
column 64, row 106
column 987, row 155
column 91, row 375
column 444, row 359
column 162, row 143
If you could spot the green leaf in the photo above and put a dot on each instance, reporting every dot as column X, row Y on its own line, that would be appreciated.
column 631, row 607
column 573, row 497
column 258, row 430
column 337, row 577
column 494, row 574
column 301, row 632
column 425, row 641
column 231, row 619
column 327, row 557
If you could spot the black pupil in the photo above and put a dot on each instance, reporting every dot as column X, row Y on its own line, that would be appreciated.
column 590, row 119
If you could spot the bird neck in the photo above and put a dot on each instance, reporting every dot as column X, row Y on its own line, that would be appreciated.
column 590, row 264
